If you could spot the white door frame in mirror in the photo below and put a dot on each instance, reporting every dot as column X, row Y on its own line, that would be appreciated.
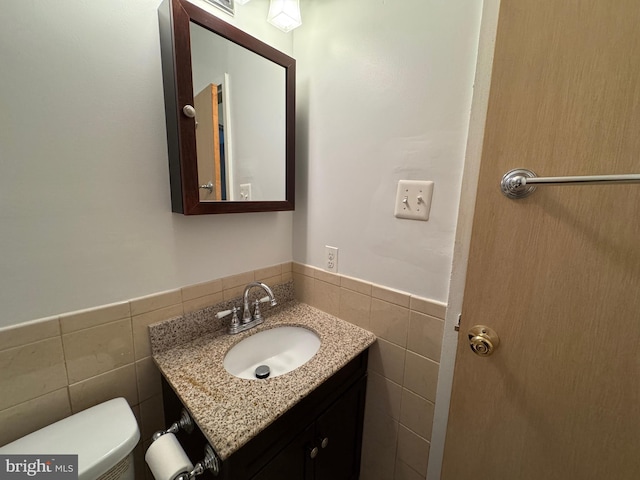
column 228, row 147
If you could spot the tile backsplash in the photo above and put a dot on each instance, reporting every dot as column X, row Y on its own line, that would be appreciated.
column 53, row 367
column 403, row 366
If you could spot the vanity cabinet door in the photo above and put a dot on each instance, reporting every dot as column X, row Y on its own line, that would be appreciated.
column 293, row 462
column 339, row 429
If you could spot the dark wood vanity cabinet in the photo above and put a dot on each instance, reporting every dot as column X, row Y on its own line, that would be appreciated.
column 328, row 449
column 319, row 438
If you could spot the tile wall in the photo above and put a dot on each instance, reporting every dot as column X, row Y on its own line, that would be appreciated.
column 53, row 367
column 403, row 367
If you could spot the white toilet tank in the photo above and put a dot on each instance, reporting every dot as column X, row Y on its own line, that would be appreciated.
column 103, row 437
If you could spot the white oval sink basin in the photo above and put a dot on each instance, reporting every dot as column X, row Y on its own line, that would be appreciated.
column 282, row 349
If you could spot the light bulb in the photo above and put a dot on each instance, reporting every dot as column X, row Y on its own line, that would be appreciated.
column 284, row 14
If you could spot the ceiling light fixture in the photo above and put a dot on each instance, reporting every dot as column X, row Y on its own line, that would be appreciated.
column 284, row 14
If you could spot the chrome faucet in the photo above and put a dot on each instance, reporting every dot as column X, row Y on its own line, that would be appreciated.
column 248, row 321
column 246, row 315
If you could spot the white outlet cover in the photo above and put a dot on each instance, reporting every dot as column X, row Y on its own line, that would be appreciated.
column 413, row 199
column 331, row 259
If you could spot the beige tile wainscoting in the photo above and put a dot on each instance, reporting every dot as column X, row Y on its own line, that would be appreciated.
column 403, row 366
column 53, row 367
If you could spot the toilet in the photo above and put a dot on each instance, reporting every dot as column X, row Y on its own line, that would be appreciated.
column 103, row 437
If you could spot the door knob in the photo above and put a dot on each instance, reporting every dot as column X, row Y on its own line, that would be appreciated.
column 483, row 340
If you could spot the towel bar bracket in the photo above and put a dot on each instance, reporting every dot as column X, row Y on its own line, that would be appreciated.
column 514, row 183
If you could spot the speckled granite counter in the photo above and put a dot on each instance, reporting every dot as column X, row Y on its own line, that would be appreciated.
column 230, row 410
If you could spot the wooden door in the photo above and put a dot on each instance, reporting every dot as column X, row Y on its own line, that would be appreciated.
column 557, row 274
column 208, row 143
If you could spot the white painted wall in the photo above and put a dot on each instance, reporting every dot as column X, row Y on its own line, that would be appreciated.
column 384, row 93
column 85, row 215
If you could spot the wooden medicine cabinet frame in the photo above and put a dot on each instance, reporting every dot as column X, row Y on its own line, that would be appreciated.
column 175, row 17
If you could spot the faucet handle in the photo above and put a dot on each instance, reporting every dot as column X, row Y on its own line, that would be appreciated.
column 235, row 321
column 257, row 315
column 225, row 313
column 267, row 299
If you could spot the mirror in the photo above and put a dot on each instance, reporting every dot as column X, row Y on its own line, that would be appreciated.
column 230, row 106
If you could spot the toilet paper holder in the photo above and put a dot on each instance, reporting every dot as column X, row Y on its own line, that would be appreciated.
column 184, row 423
column 209, row 462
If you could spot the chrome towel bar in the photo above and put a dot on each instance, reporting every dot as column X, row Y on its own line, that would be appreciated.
column 521, row 183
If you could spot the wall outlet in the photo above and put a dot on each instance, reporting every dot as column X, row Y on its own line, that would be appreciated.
column 413, row 199
column 245, row 192
column 331, row 259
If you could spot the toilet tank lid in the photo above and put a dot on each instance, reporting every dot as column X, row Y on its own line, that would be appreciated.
column 101, row 436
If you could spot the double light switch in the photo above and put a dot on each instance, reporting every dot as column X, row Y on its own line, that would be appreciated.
column 413, row 199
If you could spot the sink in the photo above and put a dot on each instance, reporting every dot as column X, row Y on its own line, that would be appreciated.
column 282, row 349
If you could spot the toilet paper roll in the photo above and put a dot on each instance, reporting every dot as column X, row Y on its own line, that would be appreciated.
column 166, row 458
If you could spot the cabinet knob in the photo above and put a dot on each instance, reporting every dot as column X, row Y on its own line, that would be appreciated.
column 324, row 442
column 189, row 111
column 314, row 452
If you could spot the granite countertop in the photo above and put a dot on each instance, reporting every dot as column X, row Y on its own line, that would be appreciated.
column 230, row 410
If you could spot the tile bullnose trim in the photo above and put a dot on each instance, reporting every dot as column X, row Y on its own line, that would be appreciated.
column 95, row 316
column 408, row 300
column 29, row 332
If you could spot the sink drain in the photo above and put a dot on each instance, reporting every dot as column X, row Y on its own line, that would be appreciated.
column 263, row 371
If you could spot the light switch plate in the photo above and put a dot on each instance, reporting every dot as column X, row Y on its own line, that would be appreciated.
column 413, row 199
column 245, row 192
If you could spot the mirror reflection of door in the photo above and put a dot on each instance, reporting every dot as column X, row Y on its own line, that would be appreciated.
column 254, row 112
column 210, row 144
